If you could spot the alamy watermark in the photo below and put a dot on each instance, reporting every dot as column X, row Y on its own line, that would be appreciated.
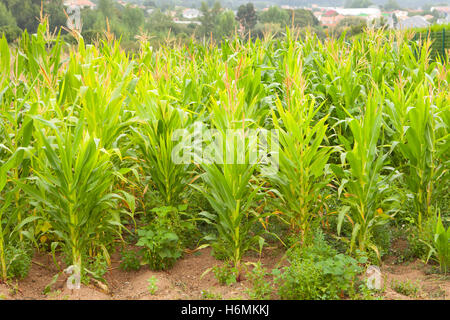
column 231, row 146
column 74, row 18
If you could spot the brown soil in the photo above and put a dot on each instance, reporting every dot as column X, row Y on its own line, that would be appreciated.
column 431, row 286
column 184, row 281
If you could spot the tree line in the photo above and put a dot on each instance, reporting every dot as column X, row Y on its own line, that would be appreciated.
column 158, row 24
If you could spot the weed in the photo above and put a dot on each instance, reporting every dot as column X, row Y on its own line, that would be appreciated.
column 261, row 288
column 208, row 295
column 152, row 285
column 129, row 260
column 317, row 272
column 225, row 274
column 160, row 247
column 407, row 288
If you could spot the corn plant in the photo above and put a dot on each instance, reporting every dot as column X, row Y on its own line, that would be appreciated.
column 5, row 205
column 440, row 246
column 230, row 182
column 72, row 181
column 420, row 146
column 366, row 181
column 16, row 127
column 73, row 118
column 303, row 159
column 104, row 99
column 301, row 176
column 231, row 188
column 155, row 139
column 231, row 194
column 11, row 222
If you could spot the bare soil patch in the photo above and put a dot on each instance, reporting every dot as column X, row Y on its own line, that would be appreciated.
column 185, row 281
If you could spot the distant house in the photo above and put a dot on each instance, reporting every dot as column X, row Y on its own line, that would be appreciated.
column 171, row 13
column 370, row 13
column 331, row 13
column 445, row 10
column 80, row 3
column 444, row 20
column 330, row 21
column 444, row 14
column 401, row 15
column 191, row 13
column 413, row 22
column 187, row 22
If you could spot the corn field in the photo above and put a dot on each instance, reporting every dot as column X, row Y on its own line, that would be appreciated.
column 87, row 138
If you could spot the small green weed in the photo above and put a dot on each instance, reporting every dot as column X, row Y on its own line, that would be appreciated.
column 152, row 285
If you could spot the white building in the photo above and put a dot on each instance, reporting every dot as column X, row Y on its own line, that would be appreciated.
column 441, row 9
column 191, row 13
column 80, row 3
column 413, row 22
column 401, row 14
column 371, row 13
column 444, row 20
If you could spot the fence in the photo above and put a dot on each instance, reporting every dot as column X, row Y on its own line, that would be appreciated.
column 441, row 42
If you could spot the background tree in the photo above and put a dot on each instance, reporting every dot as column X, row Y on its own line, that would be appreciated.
column 301, row 18
column 134, row 19
column 6, row 18
column 226, row 25
column 391, row 5
column 275, row 15
column 350, row 25
column 247, row 17
column 26, row 13
column 357, row 3
column 106, row 7
column 8, row 25
column 394, row 20
column 209, row 18
column 54, row 9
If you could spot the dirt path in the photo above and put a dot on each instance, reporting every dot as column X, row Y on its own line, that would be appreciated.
column 184, row 281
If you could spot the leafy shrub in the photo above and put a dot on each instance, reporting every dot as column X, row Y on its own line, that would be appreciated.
column 178, row 221
column 318, row 272
column 161, row 247
column 18, row 262
column 129, row 260
column 302, row 281
column 98, row 266
column 226, row 274
column 416, row 246
column 381, row 237
column 261, row 288
column 407, row 288
column 364, row 293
